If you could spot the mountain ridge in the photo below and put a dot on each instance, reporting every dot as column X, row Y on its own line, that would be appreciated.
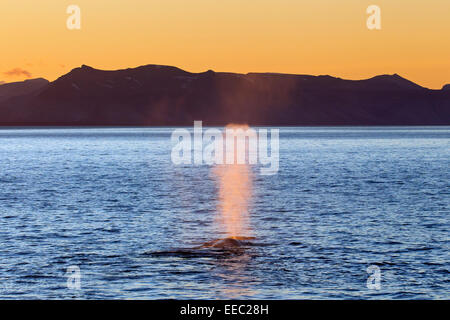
column 167, row 95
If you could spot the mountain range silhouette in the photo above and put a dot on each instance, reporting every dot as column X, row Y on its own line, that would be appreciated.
column 155, row 95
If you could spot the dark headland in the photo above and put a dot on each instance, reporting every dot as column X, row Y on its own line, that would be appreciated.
column 156, row 95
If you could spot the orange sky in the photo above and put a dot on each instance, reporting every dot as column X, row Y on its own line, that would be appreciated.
column 291, row 36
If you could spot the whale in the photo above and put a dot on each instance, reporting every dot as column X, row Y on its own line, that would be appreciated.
column 227, row 243
column 214, row 248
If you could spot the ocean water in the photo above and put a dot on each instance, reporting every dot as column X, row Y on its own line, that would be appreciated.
column 107, row 199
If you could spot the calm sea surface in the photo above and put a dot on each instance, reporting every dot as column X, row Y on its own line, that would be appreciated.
column 106, row 199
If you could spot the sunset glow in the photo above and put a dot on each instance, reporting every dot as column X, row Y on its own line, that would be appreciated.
column 305, row 37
